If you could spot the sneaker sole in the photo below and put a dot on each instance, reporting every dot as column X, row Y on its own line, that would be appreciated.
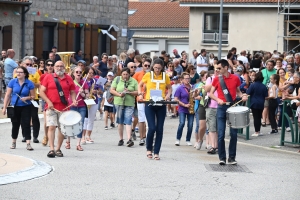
column 177, row 144
column 232, row 163
column 222, row 163
column 130, row 145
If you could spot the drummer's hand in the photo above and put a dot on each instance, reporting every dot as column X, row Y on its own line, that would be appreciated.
column 50, row 105
column 75, row 103
column 245, row 98
column 220, row 101
column 3, row 111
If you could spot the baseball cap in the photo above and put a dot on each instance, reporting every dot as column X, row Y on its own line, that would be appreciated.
column 110, row 74
column 174, row 78
column 239, row 69
column 81, row 61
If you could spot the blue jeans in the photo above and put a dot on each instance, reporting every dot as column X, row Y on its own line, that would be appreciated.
column 82, row 112
column 197, row 122
column 156, row 118
column 190, row 118
column 221, row 119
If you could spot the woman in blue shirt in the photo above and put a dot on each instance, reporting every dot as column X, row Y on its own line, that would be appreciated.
column 21, row 102
column 258, row 93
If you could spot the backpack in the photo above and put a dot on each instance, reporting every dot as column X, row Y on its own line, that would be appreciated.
column 110, row 96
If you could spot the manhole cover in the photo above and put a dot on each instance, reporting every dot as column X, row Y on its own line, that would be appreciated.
column 227, row 168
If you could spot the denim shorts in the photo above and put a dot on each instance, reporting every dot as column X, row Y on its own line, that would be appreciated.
column 124, row 114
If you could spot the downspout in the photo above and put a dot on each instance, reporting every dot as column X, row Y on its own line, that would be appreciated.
column 23, row 30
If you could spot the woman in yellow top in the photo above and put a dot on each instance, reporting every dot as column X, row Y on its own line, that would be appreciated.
column 156, row 79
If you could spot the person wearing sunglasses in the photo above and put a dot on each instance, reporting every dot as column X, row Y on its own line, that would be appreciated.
column 141, row 106
column 35, row 78
column 41, row 67
column 82, row 91
column 132, row 68
column 49, row 69
column 103, row 65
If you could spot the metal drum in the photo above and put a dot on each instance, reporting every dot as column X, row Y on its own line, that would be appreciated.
column 238, row 117
column 70, row 123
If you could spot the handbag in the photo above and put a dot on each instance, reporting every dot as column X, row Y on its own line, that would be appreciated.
column 60, row 91
column 10, row 109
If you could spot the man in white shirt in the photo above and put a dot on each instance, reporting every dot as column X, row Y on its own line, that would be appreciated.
column 243, row 58
column 202, row 62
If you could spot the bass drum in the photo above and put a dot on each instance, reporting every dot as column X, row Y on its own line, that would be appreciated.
column 238, row 117
column 70, row 123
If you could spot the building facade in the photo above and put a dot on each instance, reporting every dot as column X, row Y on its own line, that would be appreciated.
column 70, row 25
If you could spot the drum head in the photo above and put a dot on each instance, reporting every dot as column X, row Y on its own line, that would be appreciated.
column 237, row 109
column 70, row 117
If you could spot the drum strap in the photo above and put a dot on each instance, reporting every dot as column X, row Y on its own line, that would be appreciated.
column 225, row 90
column 60, row 91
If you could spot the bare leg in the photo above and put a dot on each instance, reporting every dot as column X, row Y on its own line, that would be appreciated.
column 60, row 139
column 128, row 131
column 120, row 129
column 51, row 136
column 202, row 129
column 135, row 121
column 142, row 130
column 106, row 117
column 265, row 115
column 112, row 118
column 213, row 136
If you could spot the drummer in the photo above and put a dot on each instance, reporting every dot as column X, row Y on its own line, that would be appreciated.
column 82, row 92
column 225, row 100
column 54, row 104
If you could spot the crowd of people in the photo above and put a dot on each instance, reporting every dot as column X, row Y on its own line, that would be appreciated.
column 140, row 92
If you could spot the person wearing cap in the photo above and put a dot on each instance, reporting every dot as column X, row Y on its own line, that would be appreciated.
column 84, row 68
column 78, row 55
column 57, row 57
column 175, row 52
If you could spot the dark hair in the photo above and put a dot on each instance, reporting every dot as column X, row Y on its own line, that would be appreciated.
column 190, row 66
column 216, row 58
column 49, row 60
column 233, row 49
column 78, row 51
column 223, row 63
column 125, row 69
column 26, row 73
column 229, row 55
column 202, row 73
column 259, row 77
column 158, row 61
column 94, row 71
column 148, row 60
column 271, row 61
column 185, row 74
column 281, row 69
column 292, row 71
column 104, row 54
column 276, row 77
column 163, row 52
column 202, row 50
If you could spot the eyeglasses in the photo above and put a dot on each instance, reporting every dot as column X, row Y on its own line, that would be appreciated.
column 28, row 64
column 78, row 72
column 50, row 65
column 146, row 66
column 133, row 67
column 19, row 72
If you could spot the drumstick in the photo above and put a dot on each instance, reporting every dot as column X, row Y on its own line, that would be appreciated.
column 21, row 98
column 71, row 105
column 56, row 110
column 81, row 86
column 238, row 102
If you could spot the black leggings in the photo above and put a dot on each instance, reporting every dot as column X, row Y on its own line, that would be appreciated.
column 35, row 120
column 273, row 104
column 257, row 115
column 21, row 117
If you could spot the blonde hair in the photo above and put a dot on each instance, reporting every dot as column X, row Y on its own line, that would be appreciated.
column 123, row 56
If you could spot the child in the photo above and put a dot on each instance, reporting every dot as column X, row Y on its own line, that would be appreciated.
column 174, row 88
column 273, row 103
column 108, row 108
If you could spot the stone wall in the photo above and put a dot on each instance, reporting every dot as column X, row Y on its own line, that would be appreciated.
column 97, row 12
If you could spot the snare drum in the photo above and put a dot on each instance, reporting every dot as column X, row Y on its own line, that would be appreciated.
column 238, row 117
column 70, row 123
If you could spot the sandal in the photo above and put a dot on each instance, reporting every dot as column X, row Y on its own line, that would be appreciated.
column 156, row 157
column 13, row 145
column 68, row 146
column 149, row 155
column 58, row 153
column 212, row 151
column 89, row 140
column 79, row 148
column 45, row 141
column 29, row 148
column 263, row 124
column 51, row 154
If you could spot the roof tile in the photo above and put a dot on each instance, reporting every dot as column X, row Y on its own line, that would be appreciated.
column 158, row 15
column 230, row 1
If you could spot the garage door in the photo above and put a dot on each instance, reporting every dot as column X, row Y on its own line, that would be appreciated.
column 146, row 46
column 179, row 46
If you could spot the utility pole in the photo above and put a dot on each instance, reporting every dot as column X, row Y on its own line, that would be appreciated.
column 220, row 30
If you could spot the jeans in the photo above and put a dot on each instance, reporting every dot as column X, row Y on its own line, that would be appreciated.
column 197, row 122
column 82, row 112
column 156, row 118
column 190, row 118
column 221, row 124
column 22, row 117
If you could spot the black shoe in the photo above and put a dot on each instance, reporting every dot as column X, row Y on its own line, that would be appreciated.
column 231, row 161
column 24, row 140
column 273, row 131
column 35, row 140
column 130, row 143
column 133, row 135
column 121, row 143
column 112, row 125
column 222, row 162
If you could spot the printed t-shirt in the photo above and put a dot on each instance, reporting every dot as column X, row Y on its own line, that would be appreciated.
column 51, row 92
column 232, row 82
column 16, row 87
column 152, row 85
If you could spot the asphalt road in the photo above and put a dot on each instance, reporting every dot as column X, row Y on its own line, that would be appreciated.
column 106, row 171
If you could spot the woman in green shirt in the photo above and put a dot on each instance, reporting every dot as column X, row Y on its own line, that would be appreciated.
column 124, row 88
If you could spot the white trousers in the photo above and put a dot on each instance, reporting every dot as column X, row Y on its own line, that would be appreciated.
column 89, row 122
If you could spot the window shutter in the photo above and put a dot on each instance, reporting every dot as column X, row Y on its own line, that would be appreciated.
column 113, row 43
column 94, row 47
column 62, row 35
column 38, row 39
column 70, row 37
column 7, row 37
column 87, row 43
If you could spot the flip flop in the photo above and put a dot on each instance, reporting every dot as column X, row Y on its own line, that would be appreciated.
column 150, row 156
column 156, row 158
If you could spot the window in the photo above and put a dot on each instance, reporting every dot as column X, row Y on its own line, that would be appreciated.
column 211, row 28
column 77, row 38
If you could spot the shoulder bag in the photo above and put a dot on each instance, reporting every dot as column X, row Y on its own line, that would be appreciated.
column 60, row 91
column 10, row 109
column 225, row 90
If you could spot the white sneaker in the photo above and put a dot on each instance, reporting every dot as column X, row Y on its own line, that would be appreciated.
column 260, row 134
column 288, row 129
column 177, row 143
column 255, row 135
column 188, row 143
column 199, row 145
column 278, row 128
